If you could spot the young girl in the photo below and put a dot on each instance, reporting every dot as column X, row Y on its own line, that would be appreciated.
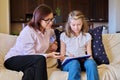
column 75, row 41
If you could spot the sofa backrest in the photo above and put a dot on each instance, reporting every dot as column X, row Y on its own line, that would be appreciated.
column 112, row 44
column 6, row 42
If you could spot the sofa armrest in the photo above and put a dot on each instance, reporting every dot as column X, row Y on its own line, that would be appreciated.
column 1, row 61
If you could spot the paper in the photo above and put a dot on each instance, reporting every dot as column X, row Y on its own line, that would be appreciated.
column 67, row 59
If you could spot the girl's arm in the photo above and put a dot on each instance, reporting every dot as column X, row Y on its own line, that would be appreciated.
column 62, row 49
column 88, row 47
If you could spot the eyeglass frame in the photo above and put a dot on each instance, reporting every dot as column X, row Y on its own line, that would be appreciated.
column 49, row 20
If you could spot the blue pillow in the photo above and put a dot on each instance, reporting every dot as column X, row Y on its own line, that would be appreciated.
column 98, row 50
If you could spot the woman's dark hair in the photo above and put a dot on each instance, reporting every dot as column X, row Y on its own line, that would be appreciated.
column 39, row 13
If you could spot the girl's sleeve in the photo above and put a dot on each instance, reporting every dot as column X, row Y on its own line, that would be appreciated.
column 89, row 37
column 62, row 37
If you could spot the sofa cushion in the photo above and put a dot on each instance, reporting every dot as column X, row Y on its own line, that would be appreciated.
column 6, row 42
column 6, row 74
column 99, row 53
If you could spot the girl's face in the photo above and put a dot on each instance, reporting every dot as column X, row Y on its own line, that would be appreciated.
column 47, row 22
column 76, row 26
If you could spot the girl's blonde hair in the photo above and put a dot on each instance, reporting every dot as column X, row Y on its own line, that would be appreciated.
column 75, row 15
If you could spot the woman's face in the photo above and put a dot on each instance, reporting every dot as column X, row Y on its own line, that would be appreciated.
column 76, row 25
column 47, row 22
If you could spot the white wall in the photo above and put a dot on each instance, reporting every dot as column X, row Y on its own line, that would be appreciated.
column 114, row 16
column 118, row 15
column 4, row 17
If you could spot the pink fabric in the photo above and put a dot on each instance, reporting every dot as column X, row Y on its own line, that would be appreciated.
column 30, row 42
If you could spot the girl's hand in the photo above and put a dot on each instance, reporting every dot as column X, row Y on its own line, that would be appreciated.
column 90, row 57
column 62, row 57
column 71, row 55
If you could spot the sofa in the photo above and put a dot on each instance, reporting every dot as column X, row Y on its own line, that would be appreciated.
column 106, row 71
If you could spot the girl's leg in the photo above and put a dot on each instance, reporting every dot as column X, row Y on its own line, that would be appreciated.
column 91, row 69
column 73, row 67
column 33, row 66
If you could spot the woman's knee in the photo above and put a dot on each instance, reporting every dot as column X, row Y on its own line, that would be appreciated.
column 41, row 58
column 35, row 58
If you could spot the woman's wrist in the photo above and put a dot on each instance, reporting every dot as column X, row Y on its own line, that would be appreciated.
column 48, row 55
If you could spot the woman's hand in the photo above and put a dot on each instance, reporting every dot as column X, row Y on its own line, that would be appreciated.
column 55, row 55
column 53, row 47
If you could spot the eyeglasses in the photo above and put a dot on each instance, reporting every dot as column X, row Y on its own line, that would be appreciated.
column 48, row 20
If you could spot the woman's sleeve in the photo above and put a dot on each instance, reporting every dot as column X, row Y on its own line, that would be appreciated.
column 52, row 36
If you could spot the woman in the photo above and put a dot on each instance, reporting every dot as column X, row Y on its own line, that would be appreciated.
column 75, row 41
column 28, row 54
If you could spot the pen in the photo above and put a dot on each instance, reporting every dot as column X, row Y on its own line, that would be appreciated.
column 66, row 55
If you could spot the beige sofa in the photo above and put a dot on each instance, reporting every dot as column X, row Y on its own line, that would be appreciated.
column 106, row 72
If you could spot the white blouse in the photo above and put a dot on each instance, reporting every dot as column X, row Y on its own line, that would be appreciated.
column 30, row 42
column 75, row 45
